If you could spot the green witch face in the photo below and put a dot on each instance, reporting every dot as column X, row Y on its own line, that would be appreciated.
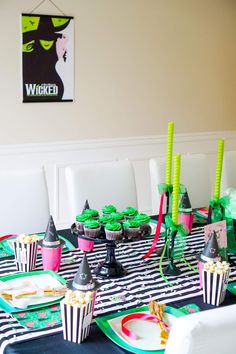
column 44, row 43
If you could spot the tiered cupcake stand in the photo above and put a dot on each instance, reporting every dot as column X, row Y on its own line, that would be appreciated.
column 110, row 267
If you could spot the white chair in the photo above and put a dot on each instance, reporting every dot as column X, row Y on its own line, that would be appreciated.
column 228, row 171
column 101, row 183
column 194, row 174
column 206, row 332
column 24, row 206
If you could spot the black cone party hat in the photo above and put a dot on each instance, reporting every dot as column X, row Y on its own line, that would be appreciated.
column 83, row 280
column 86, row 206
column 51, row 238
column 184, row 204
column 211, row 249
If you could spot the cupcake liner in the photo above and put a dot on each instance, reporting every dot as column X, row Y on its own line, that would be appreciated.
column 145, row 229
column 132, row 232
column 76, row 321
column 214, row 287
column 113, row 235
column 94, row 233
column 129, row 217
column 79, row 226
column 25, row 255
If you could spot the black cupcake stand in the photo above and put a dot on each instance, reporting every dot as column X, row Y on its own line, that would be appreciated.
column 110, row 267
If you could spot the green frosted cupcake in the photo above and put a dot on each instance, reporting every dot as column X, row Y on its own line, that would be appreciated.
column 130, row 212
column 131, row 229
column 144, row 220
column 92, row 228
column 113, row 231
column 80, row 220
column 92, row 213
column 118, row 216
column 108, row 209
column 104, row 219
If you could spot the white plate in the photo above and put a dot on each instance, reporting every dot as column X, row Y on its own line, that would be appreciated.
column 148, row 332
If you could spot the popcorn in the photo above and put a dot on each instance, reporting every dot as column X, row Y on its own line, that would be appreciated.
column 215, row 279
column 218, row 267
column 78, row 298
column 76, row 312
column 24, row 238
column 25, row 250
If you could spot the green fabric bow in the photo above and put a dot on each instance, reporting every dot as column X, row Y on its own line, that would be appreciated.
column 220, row 211
column 164, row 188
column 218, row 208
column 180, row 228
column 179, row 239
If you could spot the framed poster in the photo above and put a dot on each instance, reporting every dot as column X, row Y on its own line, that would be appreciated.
column 47, row 58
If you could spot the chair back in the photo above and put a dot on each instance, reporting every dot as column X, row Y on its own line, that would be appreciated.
column 101, row 183
column 194, row 174
column 24, row 206
column 229, row 171
column 211, row 331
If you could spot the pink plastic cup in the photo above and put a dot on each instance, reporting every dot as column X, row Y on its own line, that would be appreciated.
column 85, row 245
column 186, row 219
column 51, row 258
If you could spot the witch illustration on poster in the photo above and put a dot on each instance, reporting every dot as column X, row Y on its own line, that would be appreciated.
column 47, row 58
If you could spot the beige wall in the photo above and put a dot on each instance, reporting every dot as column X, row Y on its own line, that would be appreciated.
column 138, row 64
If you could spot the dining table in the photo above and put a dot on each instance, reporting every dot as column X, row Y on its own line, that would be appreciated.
column 142, row 283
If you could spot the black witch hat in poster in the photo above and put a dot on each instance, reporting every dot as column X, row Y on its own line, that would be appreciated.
column 47, row 58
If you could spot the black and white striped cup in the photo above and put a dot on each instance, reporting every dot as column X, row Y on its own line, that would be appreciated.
column 214, row 287
column 76, row 321
column 25, row 255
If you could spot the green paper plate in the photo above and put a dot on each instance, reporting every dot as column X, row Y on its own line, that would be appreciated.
column 38, row 277
column 232, row 287
column 6, row 244
column 104, row 324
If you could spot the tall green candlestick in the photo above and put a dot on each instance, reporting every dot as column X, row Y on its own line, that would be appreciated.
column 175, row 194
column 169, row 151
column 220, row 156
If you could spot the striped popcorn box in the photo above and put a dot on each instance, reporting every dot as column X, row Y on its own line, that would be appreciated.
column 76, row 320
column 224, row 287
column 214, row 283
column 25, row 255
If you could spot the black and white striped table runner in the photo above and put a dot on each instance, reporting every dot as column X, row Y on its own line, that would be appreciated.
column 142, row 283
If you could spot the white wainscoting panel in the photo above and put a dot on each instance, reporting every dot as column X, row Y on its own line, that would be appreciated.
column 56, row 156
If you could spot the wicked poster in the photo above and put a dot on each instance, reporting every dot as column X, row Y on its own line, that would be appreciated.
column 47, row 58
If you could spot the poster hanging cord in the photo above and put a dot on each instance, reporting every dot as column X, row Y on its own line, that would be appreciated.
column 41, row 2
